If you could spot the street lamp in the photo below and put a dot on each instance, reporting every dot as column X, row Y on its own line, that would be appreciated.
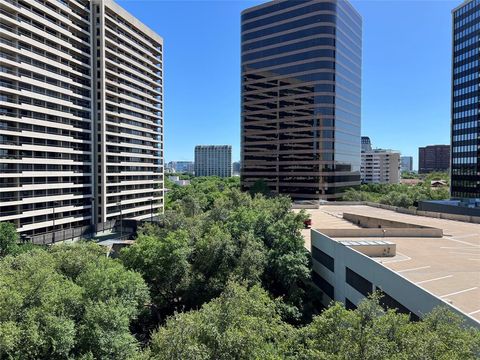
column 119, row 204
column 151, row 210
column 53, row 211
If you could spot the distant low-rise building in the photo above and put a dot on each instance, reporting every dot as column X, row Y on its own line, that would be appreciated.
column 213, row 160
column 170, row 167
column 187, row 167
column 180, row 167
column 433, row 158
column 177, row 181
column 406, row 163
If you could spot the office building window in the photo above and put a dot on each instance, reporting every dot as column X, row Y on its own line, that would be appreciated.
column 323, row 258
column 323, row 285
column 358, row 282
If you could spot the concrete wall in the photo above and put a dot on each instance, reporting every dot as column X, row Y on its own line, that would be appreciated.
column 413, row 297
column 448, row 209
column 411, row 211
column 373, row 222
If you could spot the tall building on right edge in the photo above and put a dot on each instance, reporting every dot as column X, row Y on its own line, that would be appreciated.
column 301, row 97
column 465, row 135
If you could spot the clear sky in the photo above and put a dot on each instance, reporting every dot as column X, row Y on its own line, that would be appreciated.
column 406, row 72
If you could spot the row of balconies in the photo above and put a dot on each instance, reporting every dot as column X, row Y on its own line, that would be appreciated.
column 37, row 129
column 125, row 42
column 45, row 119
column 63, row 25
column 117, row 26
column 120, row 22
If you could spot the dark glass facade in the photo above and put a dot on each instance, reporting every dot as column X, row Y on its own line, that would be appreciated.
column 301, row 97
column 433, row 158
column 465, row 137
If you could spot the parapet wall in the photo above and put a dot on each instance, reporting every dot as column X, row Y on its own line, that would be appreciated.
column 378, row 223
column 383, row 232
column 379, row 227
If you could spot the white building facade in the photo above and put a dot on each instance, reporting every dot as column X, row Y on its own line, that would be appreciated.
column 81, row 117
column 380, row 166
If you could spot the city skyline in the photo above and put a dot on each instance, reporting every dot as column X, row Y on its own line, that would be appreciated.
column 390, row 104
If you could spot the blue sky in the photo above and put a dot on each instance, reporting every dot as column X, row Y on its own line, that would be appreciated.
column 406, row 72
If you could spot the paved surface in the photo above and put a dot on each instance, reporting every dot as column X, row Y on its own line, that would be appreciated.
column 448, row 267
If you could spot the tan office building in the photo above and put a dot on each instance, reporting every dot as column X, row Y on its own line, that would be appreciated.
column 81, row 119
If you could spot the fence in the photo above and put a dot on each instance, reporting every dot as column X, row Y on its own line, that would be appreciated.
column 125, row 229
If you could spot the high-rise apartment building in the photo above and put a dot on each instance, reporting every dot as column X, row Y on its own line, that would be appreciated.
column 465, row 132
column 366, row 144
column 406, row 163
column 433, row 158
column 301, row 97
column 213, row 160
column 81, row 122
column 380, row 166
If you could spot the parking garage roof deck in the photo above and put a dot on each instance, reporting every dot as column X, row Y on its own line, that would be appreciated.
column 448, row 266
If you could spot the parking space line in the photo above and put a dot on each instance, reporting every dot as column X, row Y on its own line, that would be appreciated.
column 459, row 292
column 463, row 253
column 399, row 260
column 466, row 236
column 474, row 312
column 413, row 269
column 435, row 279
column 459, row 248
column 462, row 242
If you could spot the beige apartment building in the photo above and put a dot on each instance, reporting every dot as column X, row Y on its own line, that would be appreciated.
column 81, row 118
column 380, row 166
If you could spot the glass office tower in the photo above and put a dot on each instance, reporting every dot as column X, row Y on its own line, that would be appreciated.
column 465, row 137
column 301, row 97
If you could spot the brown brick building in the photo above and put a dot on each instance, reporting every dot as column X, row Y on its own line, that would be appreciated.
column 433, row 158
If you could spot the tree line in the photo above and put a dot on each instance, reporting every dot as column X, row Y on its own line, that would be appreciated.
column 401, row 195
column 224, row 275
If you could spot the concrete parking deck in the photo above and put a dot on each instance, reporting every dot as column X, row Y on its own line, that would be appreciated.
column 448, row 266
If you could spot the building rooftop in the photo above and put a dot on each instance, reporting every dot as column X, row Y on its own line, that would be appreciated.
column 447, row 266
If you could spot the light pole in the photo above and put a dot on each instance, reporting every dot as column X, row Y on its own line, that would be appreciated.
column 53, row 211
column 151, row 210
column 121, row 220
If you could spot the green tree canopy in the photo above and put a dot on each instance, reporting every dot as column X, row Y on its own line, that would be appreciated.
column 66, row 303
column 239, row 324
column 239, row 237
column 8, row 239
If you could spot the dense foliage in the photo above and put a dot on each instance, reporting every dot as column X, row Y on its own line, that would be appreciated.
column 223, row 276
column 8, row 239
column 213, row 233
column 247, row 324
column 401, row 195
column 68, row 302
